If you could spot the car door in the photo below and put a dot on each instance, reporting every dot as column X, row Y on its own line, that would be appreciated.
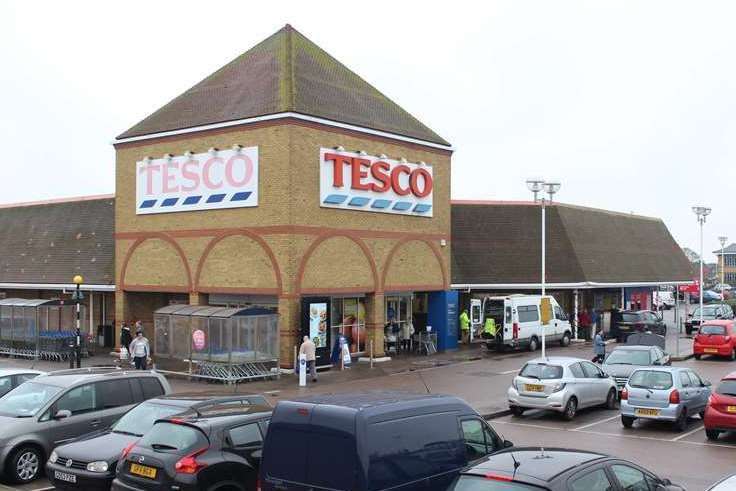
column 632, row 478
column 598, row 386
column 115, row 399
column 582, row 387
column 687, row 391
column 246, row 441
column 81, row 402
column 479, row 439
column 594, row 478
column 701, row 392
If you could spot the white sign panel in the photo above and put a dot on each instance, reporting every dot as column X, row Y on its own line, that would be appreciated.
column 204, row 181
column 352, row 181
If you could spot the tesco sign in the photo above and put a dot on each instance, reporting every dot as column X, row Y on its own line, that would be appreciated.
column 356, row 181
column 205, row 181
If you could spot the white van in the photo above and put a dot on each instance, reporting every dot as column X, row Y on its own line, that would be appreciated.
column 522, row 326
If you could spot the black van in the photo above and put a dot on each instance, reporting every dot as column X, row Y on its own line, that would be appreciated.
column 373, row 441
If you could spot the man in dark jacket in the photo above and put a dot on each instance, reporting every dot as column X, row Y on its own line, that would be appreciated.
column 125, row 336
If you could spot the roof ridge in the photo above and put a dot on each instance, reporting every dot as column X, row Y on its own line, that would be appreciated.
column 53, row 201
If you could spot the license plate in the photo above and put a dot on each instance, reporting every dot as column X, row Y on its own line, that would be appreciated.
column 710, row 350
column 647, row 412
column 63, row 476
column 534, row 388
column 143, row 470
column 731, row 409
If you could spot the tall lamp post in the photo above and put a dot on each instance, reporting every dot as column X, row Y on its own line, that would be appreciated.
column 701, row 212
column 723, row 239
column 549, row 187
column 77, row 296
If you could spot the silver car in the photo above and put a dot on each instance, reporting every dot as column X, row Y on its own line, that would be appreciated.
column 10, row 378
column 664, row 393
column 623, row 360
column 57, row 407
column 561, row 384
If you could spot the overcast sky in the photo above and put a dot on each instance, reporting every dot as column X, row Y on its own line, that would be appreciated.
column 631, row 104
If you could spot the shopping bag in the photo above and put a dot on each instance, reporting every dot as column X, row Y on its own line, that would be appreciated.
column 124, row 355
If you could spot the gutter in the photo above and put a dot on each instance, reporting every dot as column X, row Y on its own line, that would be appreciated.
column 57, row 286
column 564, row 286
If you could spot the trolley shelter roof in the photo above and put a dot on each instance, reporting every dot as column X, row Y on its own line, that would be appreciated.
column 25, row 302
column 211, row 311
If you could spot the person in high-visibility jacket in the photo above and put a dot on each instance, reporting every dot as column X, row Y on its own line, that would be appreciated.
column 465, row 326
column 489, row 328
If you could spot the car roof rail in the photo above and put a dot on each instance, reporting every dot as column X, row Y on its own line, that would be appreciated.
column 84, row 371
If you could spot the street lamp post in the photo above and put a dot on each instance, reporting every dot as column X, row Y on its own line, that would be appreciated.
column 549, row 187
column 722, row 239
column 701, row 212
column 77, row 296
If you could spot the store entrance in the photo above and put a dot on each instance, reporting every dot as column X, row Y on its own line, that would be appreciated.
column 399, row 324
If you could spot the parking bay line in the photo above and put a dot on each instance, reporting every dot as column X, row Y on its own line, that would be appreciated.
column 596, row 423
column 694, row 430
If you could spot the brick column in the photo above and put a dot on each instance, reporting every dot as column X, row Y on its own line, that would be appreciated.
column 289, row 328
column 122, row 313
column 375, row 321
column 196, row 298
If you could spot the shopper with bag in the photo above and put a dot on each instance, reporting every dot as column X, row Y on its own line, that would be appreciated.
column 140, row 350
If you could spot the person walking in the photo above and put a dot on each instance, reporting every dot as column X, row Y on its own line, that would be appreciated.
column 308, row 349
column 465, row 326
column 140, row 349
column 125, row 336
column 599, row 347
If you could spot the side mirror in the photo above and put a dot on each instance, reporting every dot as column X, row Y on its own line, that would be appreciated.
column 62, row 414
column 656, row 362
column 707, row 383
column 507, row 444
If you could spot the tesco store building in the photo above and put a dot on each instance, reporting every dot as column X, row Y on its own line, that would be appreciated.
column 285, row 181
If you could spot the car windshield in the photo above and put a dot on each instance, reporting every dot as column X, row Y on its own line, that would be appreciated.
column 630, row 317
column 541, row 371
column 711, row 329
column 628, row 357
column 477, row 483
column 27, row 399
column 727, row 388
column 708, row 310
column 140, row 419
column 651, row 379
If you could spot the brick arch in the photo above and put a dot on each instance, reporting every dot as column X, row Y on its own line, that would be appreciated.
column 160, row 236
column 241, row 233
column 331, row 235
column 399, row 245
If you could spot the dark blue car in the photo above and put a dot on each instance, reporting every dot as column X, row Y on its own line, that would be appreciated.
column 374, row 441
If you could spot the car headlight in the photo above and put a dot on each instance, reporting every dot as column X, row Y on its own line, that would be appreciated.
column 53, row 457
column 558, row 387
column 97, row 466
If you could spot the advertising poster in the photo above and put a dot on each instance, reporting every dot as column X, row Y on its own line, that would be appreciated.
column 318, row 324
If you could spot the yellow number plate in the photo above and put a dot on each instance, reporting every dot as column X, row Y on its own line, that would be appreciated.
column 143, row 470
column 534, row 388
column 731, row 409
column 647, row 412
column 710, row 350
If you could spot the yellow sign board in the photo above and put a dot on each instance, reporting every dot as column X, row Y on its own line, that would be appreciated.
column 546, row 310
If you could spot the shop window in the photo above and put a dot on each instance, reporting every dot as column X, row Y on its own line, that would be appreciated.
column 348, row 318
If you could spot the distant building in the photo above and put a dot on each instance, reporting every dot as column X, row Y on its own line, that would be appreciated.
column 727, row 264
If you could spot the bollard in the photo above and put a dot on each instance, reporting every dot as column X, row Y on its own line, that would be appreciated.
column 371, row 354
column 302, row 370
column 296, row 360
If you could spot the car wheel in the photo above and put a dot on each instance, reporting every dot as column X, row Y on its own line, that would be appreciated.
column 702, row 415
column 712, row 434
column 689, row 331
column 533, row 344
column 25, row 464
column 611, row 399
column 565, row 341
column 681, row 423
column 733, row 355
column 517, row 411
column 627, row 421
column 226, row 486
column 571, row 408
column 697, row 357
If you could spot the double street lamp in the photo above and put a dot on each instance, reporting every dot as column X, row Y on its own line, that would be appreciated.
column 550, row 187
column 701, row 212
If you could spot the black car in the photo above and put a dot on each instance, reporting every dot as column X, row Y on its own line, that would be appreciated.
column 216, row 448
column 553, row 469
column 89, row 463
column 373, row 441
column 710, row 312
column 630, row 321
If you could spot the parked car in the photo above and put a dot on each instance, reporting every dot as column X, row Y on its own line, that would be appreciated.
column 710, row 313
column 89, row 463
column 715, row 338
column 623, row 360
column 55, row 408
column 631, row 321
column 373, row 441
column 555, row 469
column 518, row 322
column 10, row 378
column 561, row 384
column 215, row 448
column 722, row 287
column 725, row 484
column 664, row 393
column 720, row 414
column 711, row 296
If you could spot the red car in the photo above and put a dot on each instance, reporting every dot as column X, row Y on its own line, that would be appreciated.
column 720, row 413
column 715, row 337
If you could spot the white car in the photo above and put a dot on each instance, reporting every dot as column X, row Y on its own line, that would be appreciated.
column 10, row 378
column 561, row 384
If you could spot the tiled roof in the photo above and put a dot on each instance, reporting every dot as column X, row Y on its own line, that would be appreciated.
column 51, row 242
column 731, row 249
column 501, row 244
column 284, row 73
